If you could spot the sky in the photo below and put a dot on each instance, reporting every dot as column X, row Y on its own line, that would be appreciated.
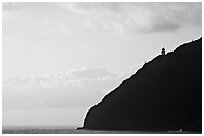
column 62, row 58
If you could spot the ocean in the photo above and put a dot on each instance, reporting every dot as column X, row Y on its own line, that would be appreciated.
column 73, row 130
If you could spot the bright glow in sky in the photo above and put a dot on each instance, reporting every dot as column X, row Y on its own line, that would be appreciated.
column 64, row 57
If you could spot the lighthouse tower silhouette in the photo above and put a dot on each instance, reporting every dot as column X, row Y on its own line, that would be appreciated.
column 163, row 51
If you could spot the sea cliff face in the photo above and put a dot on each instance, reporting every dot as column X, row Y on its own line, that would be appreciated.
column 165, row 94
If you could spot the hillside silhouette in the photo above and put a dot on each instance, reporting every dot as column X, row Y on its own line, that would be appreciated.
column 165, row 94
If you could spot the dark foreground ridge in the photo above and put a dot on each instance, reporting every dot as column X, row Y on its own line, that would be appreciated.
column 164, row 95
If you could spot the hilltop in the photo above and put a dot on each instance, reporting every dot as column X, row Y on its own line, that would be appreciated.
column 165, row 94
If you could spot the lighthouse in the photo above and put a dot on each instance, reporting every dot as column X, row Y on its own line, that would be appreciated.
column 163, row 51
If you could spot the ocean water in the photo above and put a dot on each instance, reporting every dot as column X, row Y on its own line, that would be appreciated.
column 72, row 130
column 54, row 130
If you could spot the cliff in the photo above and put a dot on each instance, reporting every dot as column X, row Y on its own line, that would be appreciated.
column 165, row 94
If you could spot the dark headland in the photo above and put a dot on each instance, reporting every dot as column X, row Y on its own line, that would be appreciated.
column 164, row 95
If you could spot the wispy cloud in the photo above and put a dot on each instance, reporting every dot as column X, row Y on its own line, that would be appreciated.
column 78, row 88
column 9, row 6
column 62, row 25
column 55, row 26
column 138, row 17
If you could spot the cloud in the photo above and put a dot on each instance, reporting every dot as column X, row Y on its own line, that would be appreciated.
column 163, row 26
column 138, row 17
column 62, row 25
column 51, row 27
column 9, row 6
column 78, row 88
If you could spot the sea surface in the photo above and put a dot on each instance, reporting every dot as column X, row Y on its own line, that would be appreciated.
column 72, row 130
